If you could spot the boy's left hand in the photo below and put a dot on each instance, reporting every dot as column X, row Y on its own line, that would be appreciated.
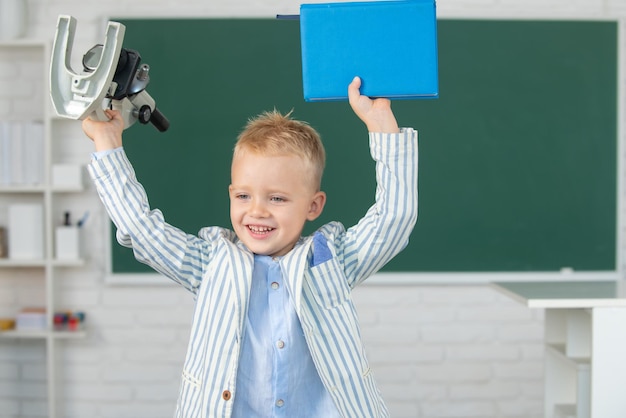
column 376, row 114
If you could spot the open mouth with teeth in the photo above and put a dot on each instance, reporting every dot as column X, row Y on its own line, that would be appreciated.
column 260, row 230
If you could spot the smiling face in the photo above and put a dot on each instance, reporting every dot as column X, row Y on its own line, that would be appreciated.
column 271, row 198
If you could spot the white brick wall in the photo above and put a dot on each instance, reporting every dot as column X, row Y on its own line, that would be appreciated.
column 438, row 351
column 453, row 351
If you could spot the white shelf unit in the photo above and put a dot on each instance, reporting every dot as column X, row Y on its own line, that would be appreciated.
column 585, row 367
column 35, row 282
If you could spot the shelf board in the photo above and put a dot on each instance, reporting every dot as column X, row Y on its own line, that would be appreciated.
column 69, row 335
column 565, row 294
column 59, row 189
column 42, row 334
column 30, row 334
column 39, row 188
column 8, row 262
column 579, row 362
column 24, row 43
column 69, row 263
column 25, row 188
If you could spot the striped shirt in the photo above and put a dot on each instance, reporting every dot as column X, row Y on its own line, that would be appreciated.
column 217, row 268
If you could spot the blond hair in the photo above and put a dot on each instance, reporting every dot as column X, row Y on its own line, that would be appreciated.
column 272, row 133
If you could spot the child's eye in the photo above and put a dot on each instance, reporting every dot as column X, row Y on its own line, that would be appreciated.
column 242, row 196
column 277, row 199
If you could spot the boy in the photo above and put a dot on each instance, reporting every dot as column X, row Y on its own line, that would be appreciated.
column 274, row 332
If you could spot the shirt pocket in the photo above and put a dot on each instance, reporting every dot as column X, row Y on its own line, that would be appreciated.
column 189, row 396
column 328, row 285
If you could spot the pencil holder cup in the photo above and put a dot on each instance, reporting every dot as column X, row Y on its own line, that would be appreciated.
column 67, row 240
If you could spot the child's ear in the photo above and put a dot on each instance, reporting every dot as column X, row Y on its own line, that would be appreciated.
column 317, row 205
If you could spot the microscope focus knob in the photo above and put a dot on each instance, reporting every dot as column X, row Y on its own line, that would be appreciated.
column 144, row 114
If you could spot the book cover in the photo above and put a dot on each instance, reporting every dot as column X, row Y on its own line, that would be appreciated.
column 390, row 44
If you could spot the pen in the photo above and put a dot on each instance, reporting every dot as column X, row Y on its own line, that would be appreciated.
column 82, row 220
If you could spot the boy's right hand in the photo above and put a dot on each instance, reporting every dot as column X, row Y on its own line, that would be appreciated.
column 108, row 134
column 376, row 114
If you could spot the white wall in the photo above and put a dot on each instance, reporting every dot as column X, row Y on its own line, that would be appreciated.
column 438, row 351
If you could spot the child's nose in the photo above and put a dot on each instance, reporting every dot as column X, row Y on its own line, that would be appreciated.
column 258, row 208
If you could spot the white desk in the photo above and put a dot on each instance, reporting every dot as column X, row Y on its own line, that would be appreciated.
column 585, row 337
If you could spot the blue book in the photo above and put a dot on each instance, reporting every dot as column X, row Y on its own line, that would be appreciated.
column 390, row 44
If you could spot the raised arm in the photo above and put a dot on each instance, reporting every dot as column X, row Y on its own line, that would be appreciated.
column 386, row 227
column 163, row 247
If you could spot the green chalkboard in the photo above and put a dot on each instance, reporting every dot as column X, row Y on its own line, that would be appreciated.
column 518, row 156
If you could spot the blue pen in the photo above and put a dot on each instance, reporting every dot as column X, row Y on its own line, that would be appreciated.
column 82, row 220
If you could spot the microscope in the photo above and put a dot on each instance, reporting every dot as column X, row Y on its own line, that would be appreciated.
column 112, row 77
